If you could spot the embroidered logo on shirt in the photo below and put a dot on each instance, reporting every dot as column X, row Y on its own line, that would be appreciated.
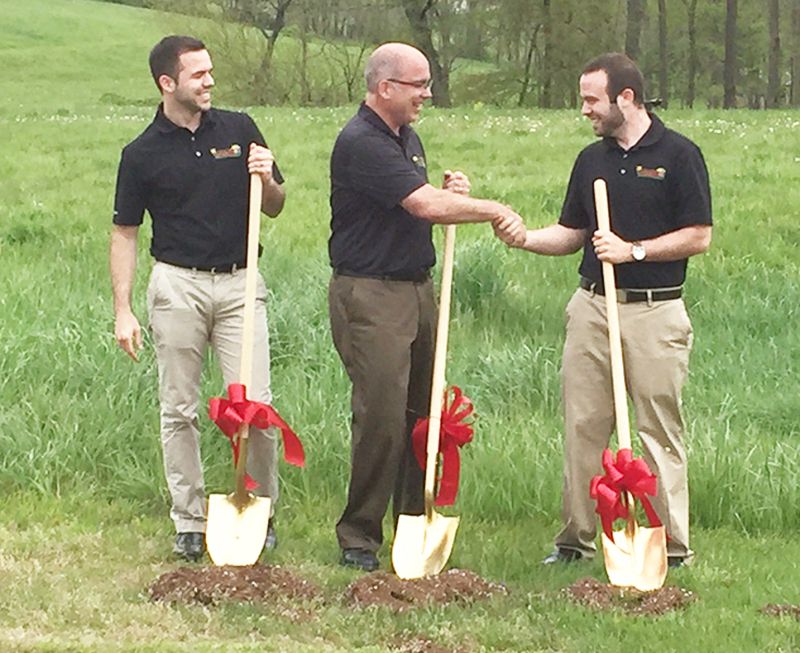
column 651, row 173
column 418, row 160
column 232, row 152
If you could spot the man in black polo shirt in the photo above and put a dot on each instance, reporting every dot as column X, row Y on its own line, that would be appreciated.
column 190, row 170
column 382, row 307
column 660, row 206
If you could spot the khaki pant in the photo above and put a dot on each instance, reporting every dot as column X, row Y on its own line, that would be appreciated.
column 384, row 332
column 188, row 310
column 656, row 342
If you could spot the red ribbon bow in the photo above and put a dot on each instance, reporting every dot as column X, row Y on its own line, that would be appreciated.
column 626, row 475
column 229, row 414
column 454, row 432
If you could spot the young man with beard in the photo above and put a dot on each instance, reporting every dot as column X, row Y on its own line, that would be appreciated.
column 660, row 205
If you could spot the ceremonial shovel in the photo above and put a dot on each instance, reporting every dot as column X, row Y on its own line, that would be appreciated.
column 237, row 524
column 422, row 543
column 637, row 556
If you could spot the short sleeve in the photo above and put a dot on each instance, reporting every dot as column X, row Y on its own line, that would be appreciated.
column 573, row 211
column 129, row 198
column 692, row 192
column 378, row 167
column 254, row 135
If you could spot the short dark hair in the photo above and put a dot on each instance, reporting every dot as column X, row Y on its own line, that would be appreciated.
column 165, row 55
column 622, row 73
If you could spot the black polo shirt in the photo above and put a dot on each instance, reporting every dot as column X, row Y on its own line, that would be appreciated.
column 372, row 170
column 658, row 186
column 194, row 185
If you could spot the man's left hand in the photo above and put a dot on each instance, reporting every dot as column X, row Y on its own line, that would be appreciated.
column 456, row 182
column 610, row 248
column 259, row 162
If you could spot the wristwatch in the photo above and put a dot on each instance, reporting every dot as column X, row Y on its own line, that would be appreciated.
column 638, row 251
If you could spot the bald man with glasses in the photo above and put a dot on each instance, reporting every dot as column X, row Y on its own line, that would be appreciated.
column 381, row 299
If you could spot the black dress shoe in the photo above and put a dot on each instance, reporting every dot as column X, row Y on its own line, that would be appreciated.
column 562, row 555
column 360, row 559
column 190, row 546
column 272, row 539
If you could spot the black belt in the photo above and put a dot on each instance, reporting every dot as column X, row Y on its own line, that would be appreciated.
column 225, row 268
column 419, row 276
column 629, row 295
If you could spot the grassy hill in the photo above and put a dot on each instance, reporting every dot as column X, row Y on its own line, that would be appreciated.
column 68, row 56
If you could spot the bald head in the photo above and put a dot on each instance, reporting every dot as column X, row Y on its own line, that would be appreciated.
column 389, row 61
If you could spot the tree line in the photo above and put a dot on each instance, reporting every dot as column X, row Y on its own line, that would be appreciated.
column 714, row 53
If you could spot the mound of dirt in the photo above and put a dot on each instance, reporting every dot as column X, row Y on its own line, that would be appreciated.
column 210, row 585
column 421, row 644
column 603, row 596
column 775, row 610
column 383, row 588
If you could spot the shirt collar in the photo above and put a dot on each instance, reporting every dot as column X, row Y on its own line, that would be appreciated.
column 368, row 115
column 650, row 137
column 166, row 126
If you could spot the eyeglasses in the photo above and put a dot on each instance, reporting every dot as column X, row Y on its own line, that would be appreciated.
column 424, row 83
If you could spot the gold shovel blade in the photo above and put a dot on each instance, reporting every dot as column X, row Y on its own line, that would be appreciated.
column 422, row 547
column 637, row 560
column 233, row 536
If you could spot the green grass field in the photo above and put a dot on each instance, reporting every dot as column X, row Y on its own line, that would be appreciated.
column 84, row 525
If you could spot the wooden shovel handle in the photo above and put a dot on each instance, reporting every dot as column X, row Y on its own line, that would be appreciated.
column 248, row 327
column 612, row 315
column 439, row 366
column 251, row 279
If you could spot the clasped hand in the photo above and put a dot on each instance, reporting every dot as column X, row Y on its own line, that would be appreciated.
column 456, row 182
column 259, row 162
column 610, row 248
column 509, row 227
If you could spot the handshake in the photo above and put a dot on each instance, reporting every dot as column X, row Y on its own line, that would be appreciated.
column 509, row 227
column 507, row 223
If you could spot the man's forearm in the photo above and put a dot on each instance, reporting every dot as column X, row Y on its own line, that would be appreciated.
column 446, row 207
column 273, row 199
column 122, row 264
column 554, row 240
column 678, row 245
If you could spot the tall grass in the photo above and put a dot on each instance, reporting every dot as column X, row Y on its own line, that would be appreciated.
column 76, row 413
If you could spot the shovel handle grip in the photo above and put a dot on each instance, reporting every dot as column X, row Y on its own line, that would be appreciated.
column 612, row 316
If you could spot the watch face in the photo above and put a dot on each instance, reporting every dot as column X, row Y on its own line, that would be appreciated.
column 638, row 253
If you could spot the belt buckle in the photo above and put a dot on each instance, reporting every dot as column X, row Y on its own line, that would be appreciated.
column 622, row 296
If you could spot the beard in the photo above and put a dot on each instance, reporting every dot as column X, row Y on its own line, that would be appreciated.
column 609, row 124
column 193, row 101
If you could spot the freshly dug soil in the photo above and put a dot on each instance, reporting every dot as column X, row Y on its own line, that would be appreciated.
column 422, row 645
column 383, row 588
column 603, row 596
column 210, row 585
column 775, row 610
